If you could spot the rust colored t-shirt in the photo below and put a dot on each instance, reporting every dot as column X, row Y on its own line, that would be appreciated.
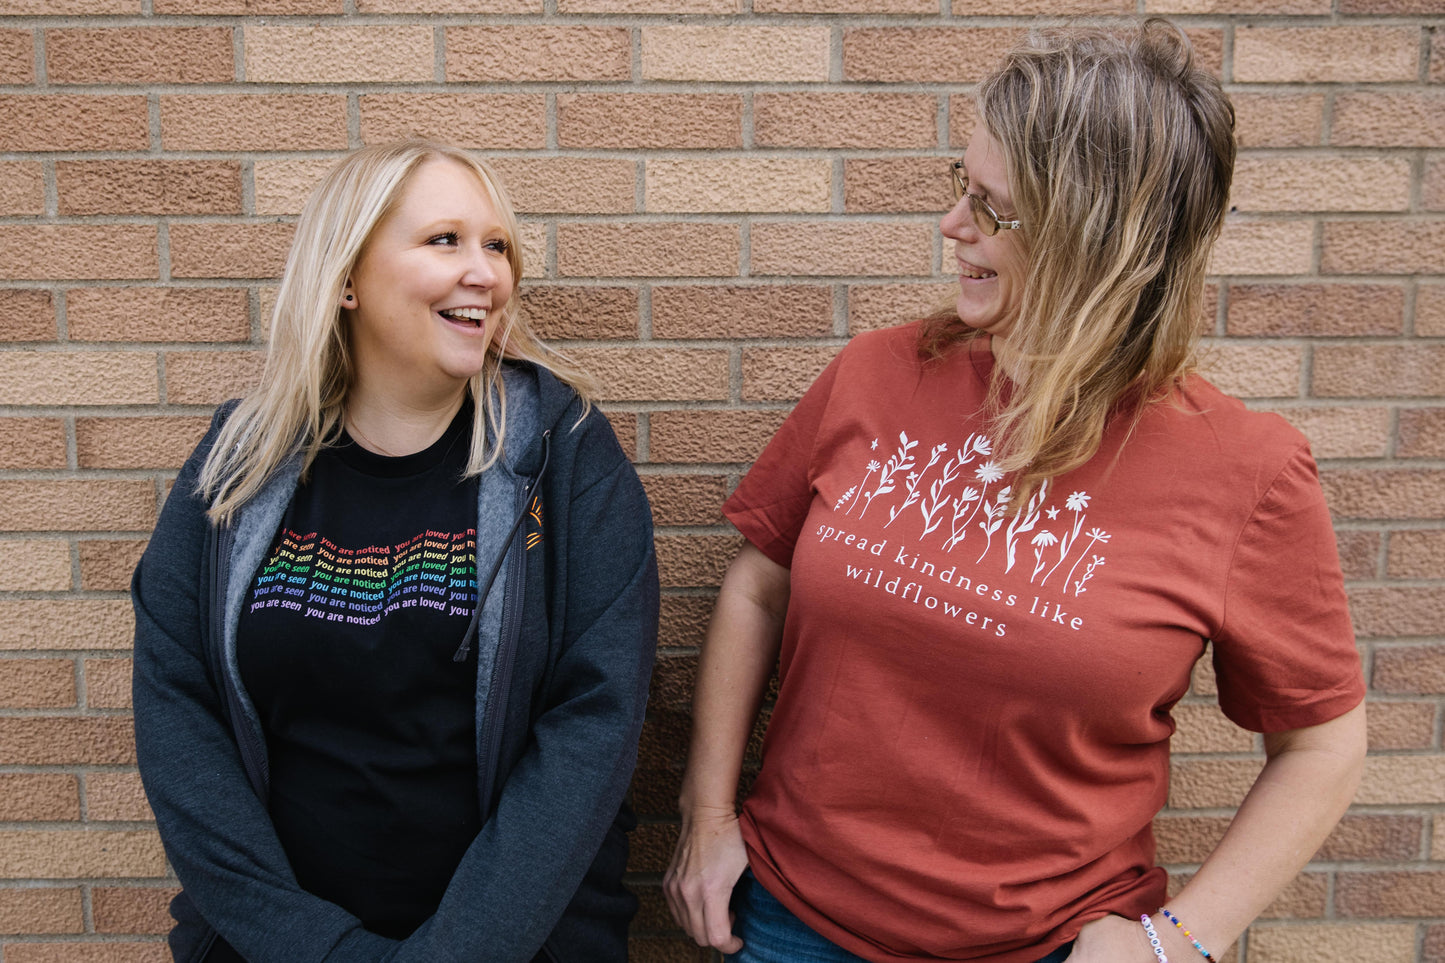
column 971, row 736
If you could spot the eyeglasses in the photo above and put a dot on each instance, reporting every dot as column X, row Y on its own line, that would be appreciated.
column 984, row 216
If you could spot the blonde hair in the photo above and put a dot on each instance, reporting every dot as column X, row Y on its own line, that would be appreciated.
column 1119, row 152
column 298, row 405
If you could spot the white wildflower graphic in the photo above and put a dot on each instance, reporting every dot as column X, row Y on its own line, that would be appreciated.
column 872, row 467
column 1024, row 521
column 846, row 495
column 1040, row 542
column 964, row 508
column 902, row 460
column 911, row 484
column 1075, row 503
column 988, row 472
column 1088, row 574
column 995, row 514
column 1095, row 535
column 932, row 506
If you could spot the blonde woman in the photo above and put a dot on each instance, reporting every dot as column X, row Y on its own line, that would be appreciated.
column 395, row 625
column 989, row 548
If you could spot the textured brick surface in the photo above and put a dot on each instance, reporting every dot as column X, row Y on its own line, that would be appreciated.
column 1333, row 943
column 1253, row 371
column 509, row 54
column 72, row 122
column 1263, row 247
column 1376, row 119
column 77, row 378
column 29, row 506
column 46, row 624
column 484, row 121
column 34, row 565
column 883, row 185
column 210, row 377
column 17, row 57
column 1405, row 611
column 22, row 188
column 78, row 251
column 251, row 122
column 1421, row 433
column 107, row 564
column 1341, row 432
column 925, row 54
column 26, row 315
column 1281, row 310
column 151, row 952
column 41, row 741
column 132, row 909
column 711, row 436
column 32, row 443
column 866, row 248
column 157, row 314
column 741, row 184
column 1325, row 54
column 1410, row 669
column 36, row 797
column 869, row 121
column 783, row 310
column 569, row 185
column 782, row 374
column 1279, row 120
column 630, row 374
column 1417, row 247
column 1401, row 725
column 629, row 250
column 140, row 55
column 1405, row 370
column 641, row 121
column 735, row 54
column 37, row 684
column 115, row 796
column 41, row 911
column 148, row 187
column 1288, row 184
column 229, row 250
column 320, row 55
column 686, row 499
column 558, row 311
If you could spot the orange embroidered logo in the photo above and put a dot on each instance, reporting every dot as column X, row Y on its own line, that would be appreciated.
column 535, row 513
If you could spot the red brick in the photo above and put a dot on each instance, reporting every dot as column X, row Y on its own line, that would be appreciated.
column 1409, row 669
column 484, row 121
column 710, row 437
column 73, row 122
column 1383, row 612
column 35, row 564
column 673, row 679
column 59, row 8
column 1306, row 897
column 17, row 57
column 77, row 378
column 1395, row 7
column 686, row 499
column 116, row 796
column 1352, row 247
column 734, row 53
column 89, row 251
column 1432, row 189
column 22, row 188
column 1340, row 432
column 1422, row 433
column 132, row 909
column 1385, row 493
column 148, row 187
column 928, row 55
column 569, row 184
column 782, row 374
column 847, row 6
column 157, row 314
column 870, row 121
column 1278, row 120
column 37, row 683
column 1430, row 310
column 598, row 249
column 229, row 250
column 36, row 797
column 832, row 248
column 253, row 122
column 558, row 311
column 738, row 311
column 87, row 953
column 1417, row 554
column 653, row 374
column 1279, row 310
column 1390, row 893
column 896, row 184
column 759, row 183
column 32, row 443
column 41, row 910
column 962, row 116
column 211, row 377
column 1398, row 370
column 26, row 315
column 107, row 564
column 82, row 740
column 31, row 506
column 1368, row 118
column 140, row 55
column 1185, row 838
column 515, row 54
column 449, row 6
column 66, row 624
column 602, row 121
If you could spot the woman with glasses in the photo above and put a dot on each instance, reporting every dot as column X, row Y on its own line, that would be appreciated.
column 986, row 551
column 395, row 625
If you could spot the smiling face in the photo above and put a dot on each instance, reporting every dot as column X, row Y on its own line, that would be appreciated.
column 429, row 288
column 991, row 270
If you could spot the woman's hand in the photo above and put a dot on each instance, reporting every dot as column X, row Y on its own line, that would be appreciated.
column 707, row 863
column 1112, row 939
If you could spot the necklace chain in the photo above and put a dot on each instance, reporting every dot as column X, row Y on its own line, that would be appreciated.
column 354, row 429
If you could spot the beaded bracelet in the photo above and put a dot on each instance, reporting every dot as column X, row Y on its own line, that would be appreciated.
column 1154, row 943
column 1187, row 935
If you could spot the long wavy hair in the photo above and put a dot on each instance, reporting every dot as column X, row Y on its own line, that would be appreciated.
column 298, row 407
column 1119, row 153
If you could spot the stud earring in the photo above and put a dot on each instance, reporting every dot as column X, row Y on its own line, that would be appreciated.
column 350, row 298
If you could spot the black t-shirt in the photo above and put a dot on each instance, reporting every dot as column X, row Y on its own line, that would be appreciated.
column 345, row 645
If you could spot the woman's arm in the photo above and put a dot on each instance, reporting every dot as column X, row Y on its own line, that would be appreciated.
column 1305, row 787
column 737, row 658
column 217, row 833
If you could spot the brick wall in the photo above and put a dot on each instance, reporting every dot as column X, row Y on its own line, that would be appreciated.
column 715, row 195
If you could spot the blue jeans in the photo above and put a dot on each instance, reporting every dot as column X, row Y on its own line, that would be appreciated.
column 772, row 934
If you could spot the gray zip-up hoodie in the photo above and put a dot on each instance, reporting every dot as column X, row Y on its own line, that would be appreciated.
column 565, row 640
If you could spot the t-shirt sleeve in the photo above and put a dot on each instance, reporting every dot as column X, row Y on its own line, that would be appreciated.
column 771, row 503
column 1285, row 654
